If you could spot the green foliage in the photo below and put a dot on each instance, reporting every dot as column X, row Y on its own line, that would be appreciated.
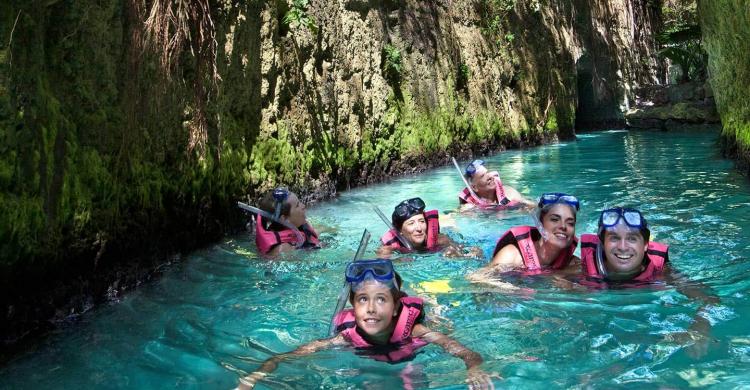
column 690, row 57
column 297, row 16
column 725, row 36
column 680, row 38
column 462, row 76
column 392, row 66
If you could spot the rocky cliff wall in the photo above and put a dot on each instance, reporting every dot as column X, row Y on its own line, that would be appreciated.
column 726, row 37
column 128, row 128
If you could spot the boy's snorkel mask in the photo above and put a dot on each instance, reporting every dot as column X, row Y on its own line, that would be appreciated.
column 546, row 201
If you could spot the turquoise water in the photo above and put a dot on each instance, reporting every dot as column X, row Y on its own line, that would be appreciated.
column 222, row 311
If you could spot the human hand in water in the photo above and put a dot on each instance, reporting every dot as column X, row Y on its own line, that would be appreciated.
column 248, row 382
column 697, row 338
column 477, row 379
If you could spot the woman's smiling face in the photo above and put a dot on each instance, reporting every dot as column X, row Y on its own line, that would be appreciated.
column 560, row 224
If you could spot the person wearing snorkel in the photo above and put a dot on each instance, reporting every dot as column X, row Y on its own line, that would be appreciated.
column 622, row 255
column 533, row 250
column 383, row 324
column 486, row 190
column 414, row 229
column 282, row 224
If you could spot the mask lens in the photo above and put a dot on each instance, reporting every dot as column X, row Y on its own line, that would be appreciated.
column 471, row 169
column 402, row 210
column 550, row 197
column 280, row 194
column 380, row 269
column 355, row 270
column 417, row 204
column 610, row 217
column 633, row 218
column 569, row 198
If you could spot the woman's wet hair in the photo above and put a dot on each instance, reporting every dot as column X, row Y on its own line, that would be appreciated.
column 268, row 204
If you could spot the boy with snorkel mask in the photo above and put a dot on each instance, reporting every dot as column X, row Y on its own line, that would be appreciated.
column 383, row 324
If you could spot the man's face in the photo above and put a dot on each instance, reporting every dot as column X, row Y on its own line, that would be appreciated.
column 483, row 181
column 624, row 248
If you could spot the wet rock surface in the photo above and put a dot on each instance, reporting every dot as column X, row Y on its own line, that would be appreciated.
column 687, row 106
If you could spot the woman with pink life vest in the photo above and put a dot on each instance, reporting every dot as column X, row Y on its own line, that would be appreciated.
column 416, row 230
column 537, row 249
column 287, row 228
column 487, row 190
column 383, row 324
column 622, row 255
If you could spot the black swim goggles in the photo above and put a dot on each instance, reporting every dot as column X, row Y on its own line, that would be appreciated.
column 380, row 270
column 409, row 208
column 632, row 218
column 471, row 169
column 558, row 197
column 279, row 195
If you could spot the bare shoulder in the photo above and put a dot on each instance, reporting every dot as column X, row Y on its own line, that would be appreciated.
column 508, row 257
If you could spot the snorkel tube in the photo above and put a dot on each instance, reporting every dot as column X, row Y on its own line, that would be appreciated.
column 468, row 186
column 598, row 260
column 388, row 223
column 344, row 294
column 264, row 214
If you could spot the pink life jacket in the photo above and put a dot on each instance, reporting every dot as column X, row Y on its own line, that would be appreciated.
column 433, row 231
column 401, row 345
column 268, row 239
column 503, row 202
column 523, row 238
column 657, row 255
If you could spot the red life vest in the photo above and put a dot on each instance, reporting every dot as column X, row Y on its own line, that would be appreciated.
column 522, row 237
column 433, row 231
column 503, row 202
column 401, row 345
column 657, row 255
column 268, row 239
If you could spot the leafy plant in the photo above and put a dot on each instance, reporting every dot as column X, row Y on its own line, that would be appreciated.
column 680, row 38
column 392, row 66
column 462, row 78
column 298, row 16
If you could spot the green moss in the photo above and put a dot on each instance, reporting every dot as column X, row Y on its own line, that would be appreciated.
column 726, row 36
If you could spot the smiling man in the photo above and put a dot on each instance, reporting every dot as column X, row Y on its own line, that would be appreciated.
column 621, row 255
column 621, row 251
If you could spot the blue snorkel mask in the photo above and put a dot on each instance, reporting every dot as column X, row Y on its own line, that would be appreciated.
column 558, row 197
column 378, row 270
column 279, row 195
column 471, row 169
column 546, row 201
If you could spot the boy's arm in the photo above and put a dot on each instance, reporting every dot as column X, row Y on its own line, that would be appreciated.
column 476, row 377
column 268, row 366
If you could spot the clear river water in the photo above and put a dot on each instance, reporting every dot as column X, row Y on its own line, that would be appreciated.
column 221, row 311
